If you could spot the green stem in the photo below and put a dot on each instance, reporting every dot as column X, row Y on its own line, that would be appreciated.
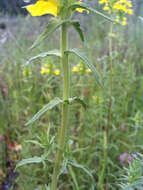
column 62, row 131
column 102, row 175
column 111, row 76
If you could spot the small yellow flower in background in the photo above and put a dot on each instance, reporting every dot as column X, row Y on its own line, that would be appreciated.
column 130, row 11
column 57, row 72
column 106, row 8
column 103, row 1
column 75, row 69
column 124, row 22
column 81, row 68
column 118, row 8
column 88, row 70
column 26, row 72
column 42, row 7
column 117, row 19
column 112, row 35
column 97, row 99
column 80, row 10
column 44, row 70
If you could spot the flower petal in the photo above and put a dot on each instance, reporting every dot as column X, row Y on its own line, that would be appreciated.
column 43, row 7
column 81, row 10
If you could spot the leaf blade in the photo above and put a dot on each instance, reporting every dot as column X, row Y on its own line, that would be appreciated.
column 29, row 161
column 81, row 167
column 79, row 100
column 47, row 107
column 51, row 27
column 44, row 54
column 76, row 26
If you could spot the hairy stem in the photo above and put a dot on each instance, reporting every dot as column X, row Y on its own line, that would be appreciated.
column 62, row 131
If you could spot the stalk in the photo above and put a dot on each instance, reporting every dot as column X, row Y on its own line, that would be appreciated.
column 111, row 77
column 62, row 131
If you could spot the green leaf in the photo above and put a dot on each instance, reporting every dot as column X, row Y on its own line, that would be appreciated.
column 44, row 54
column 80, row 54
column 47, row 187
column 73, row 177
column 51, row 27
column 47, row 107
column 71, row 100
column 29, row 161
column 81, row 167
column 76, row 26
column 55, row 24
column 35, row 143
column 86, row 7
column 64, row 167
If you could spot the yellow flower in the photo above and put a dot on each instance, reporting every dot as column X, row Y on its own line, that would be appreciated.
column 129, row 4
column 75, row 69
column 57, row 72
column 103, row 1
column 43, row 7
column 112, row 35
column 81, row 10
column 26, row 73
column 97, row 99
column 88, row 70
column 130, row 11
column 124, row 22
column 44, row 70
column 105, row 8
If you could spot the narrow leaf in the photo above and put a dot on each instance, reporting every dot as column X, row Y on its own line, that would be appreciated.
column 47, row 187
column 86, row 7
column 35, row 143
column 47, row 107
column 81, row 167
column 80, row 54
column 76, row 26
column 73, row 177
column 71, row 100
column 29, row 161
column 51, row 27
column 44, row 54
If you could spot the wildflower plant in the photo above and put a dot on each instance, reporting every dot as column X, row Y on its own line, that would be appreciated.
column 62, row 10
column 133, row 179
column 118, row 8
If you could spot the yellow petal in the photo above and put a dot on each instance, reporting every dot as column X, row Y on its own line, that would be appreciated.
column 43, row 7
column 81, row 10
